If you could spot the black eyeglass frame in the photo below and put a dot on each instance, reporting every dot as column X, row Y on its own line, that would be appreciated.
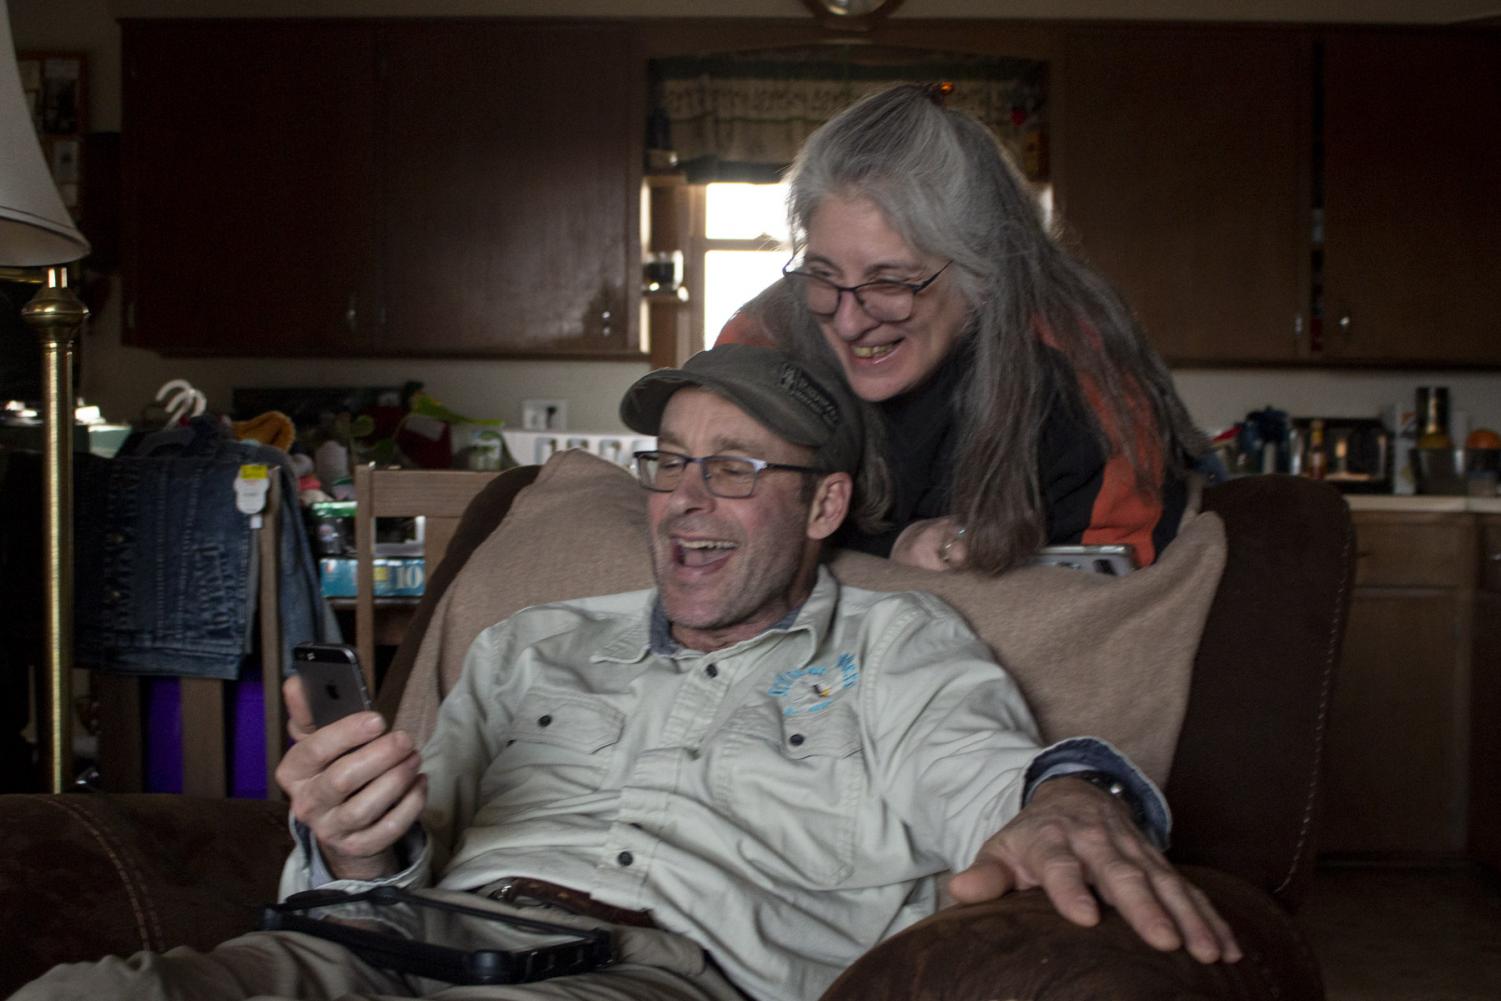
column 758, row 466
column 916, row 288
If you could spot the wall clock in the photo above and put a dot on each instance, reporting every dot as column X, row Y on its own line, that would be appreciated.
column 851, row 15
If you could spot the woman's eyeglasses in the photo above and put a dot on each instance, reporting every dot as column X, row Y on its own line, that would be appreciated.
column 884, row 299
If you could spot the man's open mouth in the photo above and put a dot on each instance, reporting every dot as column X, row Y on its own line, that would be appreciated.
column 695, row 553
column 701, row 552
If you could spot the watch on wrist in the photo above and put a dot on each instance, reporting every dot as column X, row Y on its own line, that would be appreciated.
column 1116, row 788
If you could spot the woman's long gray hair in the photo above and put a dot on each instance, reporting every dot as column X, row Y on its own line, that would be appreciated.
column 945, row 184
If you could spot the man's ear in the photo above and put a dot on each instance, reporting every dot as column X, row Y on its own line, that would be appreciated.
column 831, row 502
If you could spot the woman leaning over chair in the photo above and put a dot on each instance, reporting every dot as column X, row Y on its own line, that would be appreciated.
column 1022, row 406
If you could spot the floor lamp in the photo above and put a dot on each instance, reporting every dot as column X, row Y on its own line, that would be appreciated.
column 37, row 238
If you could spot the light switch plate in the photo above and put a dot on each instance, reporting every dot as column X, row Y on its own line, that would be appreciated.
column 544, row 415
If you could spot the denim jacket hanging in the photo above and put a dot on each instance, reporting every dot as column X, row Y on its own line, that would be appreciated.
column 166, row 563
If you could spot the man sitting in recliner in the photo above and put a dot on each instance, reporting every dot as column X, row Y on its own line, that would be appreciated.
column 750, row 775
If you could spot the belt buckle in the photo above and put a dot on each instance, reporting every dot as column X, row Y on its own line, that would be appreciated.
column 508, row 893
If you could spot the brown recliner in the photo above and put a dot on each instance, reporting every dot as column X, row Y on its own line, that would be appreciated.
column 86, row 875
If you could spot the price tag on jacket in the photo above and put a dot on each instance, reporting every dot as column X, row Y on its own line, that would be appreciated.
column 251, row 487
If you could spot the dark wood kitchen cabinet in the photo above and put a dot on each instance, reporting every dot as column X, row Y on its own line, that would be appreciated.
column 250, row 185
column 1485, row 695
column 435, row 188
column 1412, row 155
column 1189, row 173
column 1397, row 766
column 1182, row 178
column 511, row 166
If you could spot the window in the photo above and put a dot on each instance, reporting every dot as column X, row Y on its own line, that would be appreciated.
column 740, row 243
column 744, row 245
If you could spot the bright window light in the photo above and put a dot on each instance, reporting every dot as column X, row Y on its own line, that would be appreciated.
column 746, row 212
column 731, row 279
column 745, row 246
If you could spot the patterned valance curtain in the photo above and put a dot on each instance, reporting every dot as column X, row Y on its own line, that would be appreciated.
column 743, row 116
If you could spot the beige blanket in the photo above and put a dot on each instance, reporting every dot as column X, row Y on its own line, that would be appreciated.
column 1103, row 656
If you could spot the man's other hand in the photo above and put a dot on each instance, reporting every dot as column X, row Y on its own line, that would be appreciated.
column 1072, row 836
column 357, row 786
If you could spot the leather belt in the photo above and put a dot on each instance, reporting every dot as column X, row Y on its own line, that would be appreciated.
column 521, row 891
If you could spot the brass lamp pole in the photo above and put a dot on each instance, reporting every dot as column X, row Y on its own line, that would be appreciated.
column 36, row 232
column 58, row 315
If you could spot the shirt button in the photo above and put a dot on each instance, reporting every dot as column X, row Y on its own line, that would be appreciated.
column 712, row 671
column 544, row 721
column 796, row 740
column 625, row 858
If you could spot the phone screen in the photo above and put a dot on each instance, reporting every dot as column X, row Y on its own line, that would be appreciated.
column 420, row 920
column 433, row 934
column 1112, row 560
column 331, row 680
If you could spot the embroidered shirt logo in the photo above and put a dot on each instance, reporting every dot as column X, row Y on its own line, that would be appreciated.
column 812, row 689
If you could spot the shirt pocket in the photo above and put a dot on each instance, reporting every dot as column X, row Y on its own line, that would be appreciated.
column 795, row 784
column 559, row 744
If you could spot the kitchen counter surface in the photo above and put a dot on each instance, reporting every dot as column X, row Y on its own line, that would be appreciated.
column 1435, row 504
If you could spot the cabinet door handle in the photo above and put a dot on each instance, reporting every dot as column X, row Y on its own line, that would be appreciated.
column 604, row 320
column 1297, row 330
column 352, row 313
column 1346, row 323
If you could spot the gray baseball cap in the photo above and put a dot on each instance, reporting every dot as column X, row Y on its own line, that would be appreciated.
column 803, row 403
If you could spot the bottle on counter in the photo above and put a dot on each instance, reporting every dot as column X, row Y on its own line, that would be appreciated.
column 1403, row 425
column 1318, row 459
column 1433, row 417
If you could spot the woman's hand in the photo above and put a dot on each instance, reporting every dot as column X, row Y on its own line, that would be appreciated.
column 932, row 544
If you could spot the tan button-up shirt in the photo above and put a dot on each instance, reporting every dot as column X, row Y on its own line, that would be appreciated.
column 786, row 802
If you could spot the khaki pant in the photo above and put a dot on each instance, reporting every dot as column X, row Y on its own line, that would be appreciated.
column 652, row 966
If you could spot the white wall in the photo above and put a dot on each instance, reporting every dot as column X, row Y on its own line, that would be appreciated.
column 1218, row 398
column 122, row 379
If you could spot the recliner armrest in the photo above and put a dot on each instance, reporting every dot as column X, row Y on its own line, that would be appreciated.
column 1245, row 780
column 88, row 875
column 1020, row 947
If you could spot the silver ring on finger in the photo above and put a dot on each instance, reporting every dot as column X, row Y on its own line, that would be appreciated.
column 947, row 548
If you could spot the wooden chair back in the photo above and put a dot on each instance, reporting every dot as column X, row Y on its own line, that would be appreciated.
column 439, row 496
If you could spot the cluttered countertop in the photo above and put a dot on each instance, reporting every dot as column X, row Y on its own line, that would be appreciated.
column 1430, row 504
column 1416, row 457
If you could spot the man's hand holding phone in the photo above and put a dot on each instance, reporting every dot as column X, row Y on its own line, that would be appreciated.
column 355, row 783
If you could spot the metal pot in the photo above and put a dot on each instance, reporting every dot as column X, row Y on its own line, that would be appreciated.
column 1456, row 471
column 1439, row 470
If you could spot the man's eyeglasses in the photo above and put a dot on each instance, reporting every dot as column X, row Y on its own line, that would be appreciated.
column 728, row 476
column 885, row 299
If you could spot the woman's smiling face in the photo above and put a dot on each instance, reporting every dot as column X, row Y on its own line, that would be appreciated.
column 849, row 242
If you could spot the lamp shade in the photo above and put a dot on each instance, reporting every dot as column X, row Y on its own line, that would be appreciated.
column 35, row 228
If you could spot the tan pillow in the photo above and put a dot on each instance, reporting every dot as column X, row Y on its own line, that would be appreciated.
column 578, row 530
column 1107, row 657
